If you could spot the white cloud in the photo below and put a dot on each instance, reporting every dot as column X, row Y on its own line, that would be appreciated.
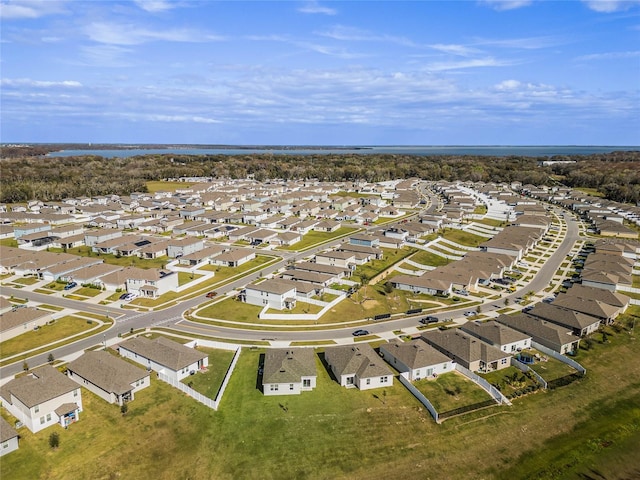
column 27, row 82
column 314, row 7
column 460, row 50
column 470, row 63
column 129, row 34
column 609, row 6
column 609, row 55
column 31, row 8
column 502, row 5
column 155, row 6
column 346, row 33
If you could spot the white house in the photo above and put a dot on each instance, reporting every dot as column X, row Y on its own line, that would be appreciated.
column 150, row 282
column 42, row 398
column 358, row 366
column 8, row 438
column 108, row 376
column 22, row 320
column 336, row 258
column 500, row 336
column 289, row 371
column 417, row 358
column 278, row 294
column 164, row 356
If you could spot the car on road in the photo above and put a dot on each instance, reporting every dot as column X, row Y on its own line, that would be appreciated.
column 211, row 294
column 429, row 319
column 469, row 313
column 70, row 285
column 360, row 333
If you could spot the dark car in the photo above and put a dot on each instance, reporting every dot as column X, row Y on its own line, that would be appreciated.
column 211, row 294
column 360, row 333
column 123, row 296
column 429, row 319
column 70, row 285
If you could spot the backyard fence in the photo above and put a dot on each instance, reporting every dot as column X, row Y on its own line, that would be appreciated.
column 559, row 356
column 467, row 408
column 419, row 396
column 213, row 404
column 566, row 380
column 188, row 390
column 490, row 389
column 526, row 368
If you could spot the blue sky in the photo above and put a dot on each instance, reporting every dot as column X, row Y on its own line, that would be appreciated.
column 489, row 72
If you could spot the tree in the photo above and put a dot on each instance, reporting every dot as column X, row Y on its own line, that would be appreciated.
column 479, row 309
column 388, row 287
column 25, row 366
column 50, row 358
column 124, row 409
column 364, row 281
column 506, row 302
column 54, row 440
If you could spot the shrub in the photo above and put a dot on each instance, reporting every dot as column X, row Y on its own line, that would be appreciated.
column 54, row 440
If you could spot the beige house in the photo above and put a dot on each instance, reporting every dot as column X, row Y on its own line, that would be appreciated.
column 289, row 371
column 22, row 320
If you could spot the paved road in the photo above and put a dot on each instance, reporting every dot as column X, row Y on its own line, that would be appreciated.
column 127, row 319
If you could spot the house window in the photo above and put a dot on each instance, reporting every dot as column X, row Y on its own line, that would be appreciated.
column 306, row 383
column 274, row 388
column 368, row 381
column 48, row 417
column 504, row 361
column 384, row 379
column 291, row 386
column 75, row 393
column 5, row 445
column 41, row 420
column 36, row 409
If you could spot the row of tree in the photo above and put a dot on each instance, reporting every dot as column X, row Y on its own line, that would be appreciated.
column 616, row 175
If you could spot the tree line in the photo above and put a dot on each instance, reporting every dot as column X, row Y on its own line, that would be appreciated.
column 27, row 177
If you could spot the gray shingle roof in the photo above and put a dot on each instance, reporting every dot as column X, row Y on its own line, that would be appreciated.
column 361, row 360
column 494, row 333
column 288, row 365
column 41, row 385
column 107, row 371
column 6, row 431
column 415, row 354
column 463, row 346
column 164, row 352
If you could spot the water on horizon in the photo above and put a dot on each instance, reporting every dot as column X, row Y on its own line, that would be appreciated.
column 489, row 150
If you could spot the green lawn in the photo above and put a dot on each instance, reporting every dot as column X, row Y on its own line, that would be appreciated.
column 464, row 238
column 314, row 238
column 590, row 425
column 58, row 331
column 427, row 258
column 450, row 391
column 300, row 308
column 154, row 186
column 87, row 292
column 552, row 368
column 26, row 280
column 231, row 309
column 209, row 383
column 375, row 267
column 115, row 260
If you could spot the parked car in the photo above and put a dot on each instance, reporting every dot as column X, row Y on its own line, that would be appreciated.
column 123, row 296
column 469, row 313
column 429, row 319
column 360, row 333
column 211, row 294
column 70, row 285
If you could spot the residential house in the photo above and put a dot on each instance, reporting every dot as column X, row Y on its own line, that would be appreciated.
column 579, row 323
column 233, row 257
column 108, row 376
column 336, row 258
column 358, row 366
column 555, row 337
column 22, row 320
column 165, row 356
column 277, row 294
column 8, row 438
column 467, row 350
column 41, row 398
column 416, row 358
column 500, row 336
column 289, row 371
column 151, row 282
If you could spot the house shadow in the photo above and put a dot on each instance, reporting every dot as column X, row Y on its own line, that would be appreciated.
column 326, row 366
column 260, row 373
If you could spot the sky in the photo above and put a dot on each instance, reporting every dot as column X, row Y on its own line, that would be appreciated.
column 486, row 72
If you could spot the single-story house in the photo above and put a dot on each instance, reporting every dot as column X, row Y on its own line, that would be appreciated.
column 233, row 257
column 417, row 358
column 555, row 337
column 108, row 376
column 289, row 371
column 580, row 324
column 164, row 356
column 500, row 336
column 22, row 320
column 358, row 366
column 467, row 350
